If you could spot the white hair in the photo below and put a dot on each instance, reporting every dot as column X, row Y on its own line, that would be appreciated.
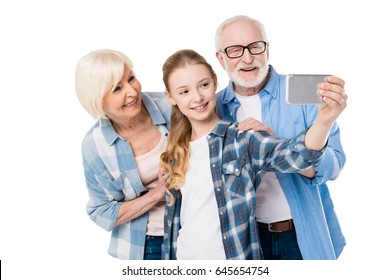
column 218, row 34
column 96, row 74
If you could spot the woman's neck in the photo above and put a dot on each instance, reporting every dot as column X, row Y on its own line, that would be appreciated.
column 131, row 125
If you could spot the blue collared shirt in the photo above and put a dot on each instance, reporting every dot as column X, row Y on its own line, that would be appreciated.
column 318, row 230
column 236, row 159
column 112, row 177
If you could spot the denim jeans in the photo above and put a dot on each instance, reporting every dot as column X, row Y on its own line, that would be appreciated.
column 279, row 245
column 152, row 249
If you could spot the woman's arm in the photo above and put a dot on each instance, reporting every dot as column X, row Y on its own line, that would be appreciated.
column 132, row 209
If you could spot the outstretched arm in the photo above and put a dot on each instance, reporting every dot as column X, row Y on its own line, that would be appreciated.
column 335, row 100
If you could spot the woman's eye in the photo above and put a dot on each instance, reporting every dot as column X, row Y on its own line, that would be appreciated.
column 117, row 89
column 131, row 78
column 183, row 92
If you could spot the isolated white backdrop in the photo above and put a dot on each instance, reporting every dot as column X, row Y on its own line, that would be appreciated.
column 45, row 231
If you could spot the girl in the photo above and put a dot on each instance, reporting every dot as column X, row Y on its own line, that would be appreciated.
column 213, row 166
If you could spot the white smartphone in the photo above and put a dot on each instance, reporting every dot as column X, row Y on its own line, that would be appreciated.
column 304, row 89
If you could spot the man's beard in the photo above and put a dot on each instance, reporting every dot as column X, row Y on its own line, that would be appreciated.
column 256, row 81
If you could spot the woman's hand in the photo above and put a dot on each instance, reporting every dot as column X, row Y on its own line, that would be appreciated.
column 159, row 190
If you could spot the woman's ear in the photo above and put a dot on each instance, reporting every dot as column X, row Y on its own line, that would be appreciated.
column 169, row 97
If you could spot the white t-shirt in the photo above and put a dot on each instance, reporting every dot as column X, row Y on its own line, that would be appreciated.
column 200, row 235
column 271, row 205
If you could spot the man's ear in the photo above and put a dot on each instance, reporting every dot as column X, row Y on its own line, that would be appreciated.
column 268, row 52
column 169, row 97
column 220, row 59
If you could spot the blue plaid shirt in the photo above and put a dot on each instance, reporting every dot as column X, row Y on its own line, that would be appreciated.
column 112, row 177
column 236, row 159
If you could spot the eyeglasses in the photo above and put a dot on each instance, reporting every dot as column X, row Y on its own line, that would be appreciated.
column 237, row 51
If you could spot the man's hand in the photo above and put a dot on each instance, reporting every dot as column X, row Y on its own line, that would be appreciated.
column 251, row 123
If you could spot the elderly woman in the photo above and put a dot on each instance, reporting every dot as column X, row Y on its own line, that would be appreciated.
column 121, row 154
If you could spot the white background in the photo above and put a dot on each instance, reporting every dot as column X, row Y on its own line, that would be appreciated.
column 45, row 231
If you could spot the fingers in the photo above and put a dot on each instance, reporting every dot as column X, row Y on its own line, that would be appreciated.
column 251, row 123
column 333, row 92
column 336, row 81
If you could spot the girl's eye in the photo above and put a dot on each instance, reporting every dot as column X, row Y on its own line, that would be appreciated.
column 183, row 92
column 205, row 84
column 117, row 88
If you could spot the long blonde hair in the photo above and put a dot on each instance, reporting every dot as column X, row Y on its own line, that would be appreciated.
column 175, row 159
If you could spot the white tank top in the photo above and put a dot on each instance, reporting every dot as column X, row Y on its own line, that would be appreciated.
column 148, row 168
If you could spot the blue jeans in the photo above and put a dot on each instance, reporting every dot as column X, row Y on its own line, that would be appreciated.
column 279, row 245
column 152, row 249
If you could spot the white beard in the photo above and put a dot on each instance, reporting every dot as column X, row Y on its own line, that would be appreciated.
column 237, row 80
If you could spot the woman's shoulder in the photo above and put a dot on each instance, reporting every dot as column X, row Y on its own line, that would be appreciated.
column 155, row 95
column 98, row 133
column 157, row 100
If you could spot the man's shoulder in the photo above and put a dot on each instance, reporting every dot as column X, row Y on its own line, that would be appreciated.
column 222, row 93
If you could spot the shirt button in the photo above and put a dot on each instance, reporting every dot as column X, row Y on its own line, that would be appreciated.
column 213, row 164
column 224, row 237
column 218, row 189
column 236, row 170
column 221, row 213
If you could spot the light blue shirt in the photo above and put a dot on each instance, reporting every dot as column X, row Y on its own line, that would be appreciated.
column 318, row 231
column 112, row 177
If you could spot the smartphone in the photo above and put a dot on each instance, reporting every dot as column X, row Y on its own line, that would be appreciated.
column 304, row 89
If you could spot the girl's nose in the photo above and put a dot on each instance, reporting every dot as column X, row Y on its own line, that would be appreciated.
column 198, row 97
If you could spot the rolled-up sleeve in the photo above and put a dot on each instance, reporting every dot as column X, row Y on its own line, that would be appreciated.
column 103, row 205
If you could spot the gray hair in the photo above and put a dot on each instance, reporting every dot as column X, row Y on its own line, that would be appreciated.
column 218, row 34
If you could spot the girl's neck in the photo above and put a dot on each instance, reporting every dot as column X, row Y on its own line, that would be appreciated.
column 201, row 128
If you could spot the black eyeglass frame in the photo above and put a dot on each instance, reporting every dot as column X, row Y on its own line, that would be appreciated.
column 243, row 49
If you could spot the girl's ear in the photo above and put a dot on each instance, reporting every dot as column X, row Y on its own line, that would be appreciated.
column 169, row 97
